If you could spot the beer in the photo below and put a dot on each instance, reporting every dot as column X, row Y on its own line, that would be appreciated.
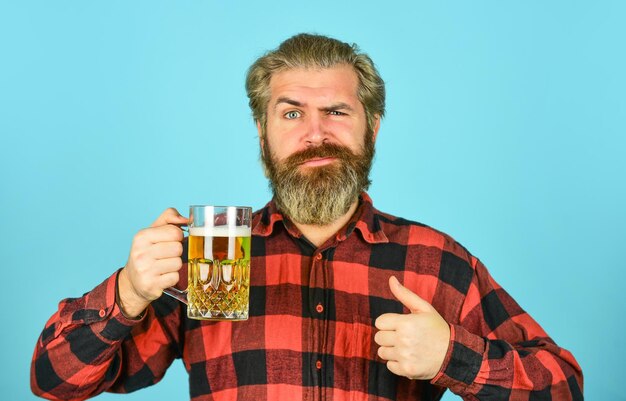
column 219, row 272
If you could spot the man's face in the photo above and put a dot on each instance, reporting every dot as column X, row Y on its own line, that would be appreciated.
column 309, row 107
column 317, row 151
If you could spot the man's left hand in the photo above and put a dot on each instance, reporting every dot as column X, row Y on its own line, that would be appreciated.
column 414, row 345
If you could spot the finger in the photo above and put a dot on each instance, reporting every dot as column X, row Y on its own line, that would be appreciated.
column 154, row 235
column 394, row 367
column 387, row 321
column 164, row 250
column 408, row 298
column 386, row 338
column 168, row 280
column 387, row 353
column 164, row 266
column 170, row 216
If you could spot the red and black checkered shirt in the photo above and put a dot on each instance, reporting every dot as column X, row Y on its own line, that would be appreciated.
column 310, row 335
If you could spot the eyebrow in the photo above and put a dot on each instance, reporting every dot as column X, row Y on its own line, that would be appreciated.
column 338, row 106
column 332, row 107
column 287, row 100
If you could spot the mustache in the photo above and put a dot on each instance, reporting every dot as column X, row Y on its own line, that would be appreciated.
column 321, row 151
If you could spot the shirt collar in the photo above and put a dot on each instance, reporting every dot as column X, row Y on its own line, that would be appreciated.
column 366, row 220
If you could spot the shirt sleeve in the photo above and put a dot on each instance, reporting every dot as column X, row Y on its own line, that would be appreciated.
column 498, row 352
column 88, row 346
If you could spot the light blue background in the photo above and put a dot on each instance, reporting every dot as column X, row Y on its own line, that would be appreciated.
column 505, row 128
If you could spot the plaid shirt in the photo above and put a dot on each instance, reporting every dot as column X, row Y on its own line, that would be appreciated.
column 310, row 334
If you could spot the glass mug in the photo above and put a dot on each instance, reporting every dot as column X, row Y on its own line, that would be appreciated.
column 218, row 286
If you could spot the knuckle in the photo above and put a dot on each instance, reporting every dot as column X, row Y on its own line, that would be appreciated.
column 170, row 211
column 405, row 326
column 178, row 248
column 173, row 279
column 142, row 237
column 404, row 354
column 174, row 231
column 139, row 236
column 410, row 369
column 393, row 367
column 140, row 256
column 133, row 258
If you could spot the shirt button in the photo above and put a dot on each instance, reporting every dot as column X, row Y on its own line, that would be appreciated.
column 318, row 256
column 102, row 313
column 319, row 308
column 318, row 365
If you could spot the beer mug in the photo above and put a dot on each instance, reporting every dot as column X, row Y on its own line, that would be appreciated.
column 218, row 266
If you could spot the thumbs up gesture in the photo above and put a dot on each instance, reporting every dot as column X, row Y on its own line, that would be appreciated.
column 414, row 345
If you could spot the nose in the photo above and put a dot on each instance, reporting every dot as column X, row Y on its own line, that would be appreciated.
column 316, row 132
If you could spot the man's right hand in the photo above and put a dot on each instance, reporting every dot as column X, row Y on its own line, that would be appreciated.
column 153, row 263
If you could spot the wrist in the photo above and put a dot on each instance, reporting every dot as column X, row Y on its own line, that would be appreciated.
column 130, row 303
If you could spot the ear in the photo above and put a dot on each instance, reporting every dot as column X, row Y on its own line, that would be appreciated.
column 375, row 128
column 259, row 130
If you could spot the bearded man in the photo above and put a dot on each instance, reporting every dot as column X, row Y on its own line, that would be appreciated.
column 346, row 302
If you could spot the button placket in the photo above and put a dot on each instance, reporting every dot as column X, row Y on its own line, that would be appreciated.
column 319, row 287
column 318, row 266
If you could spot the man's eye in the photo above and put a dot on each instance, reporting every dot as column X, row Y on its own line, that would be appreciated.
column 290, row 115
column 336, row 113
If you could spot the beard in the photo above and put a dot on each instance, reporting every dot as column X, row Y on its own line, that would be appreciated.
column 319, row 195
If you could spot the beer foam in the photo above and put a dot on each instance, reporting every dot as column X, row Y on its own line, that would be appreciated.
column 220, row 231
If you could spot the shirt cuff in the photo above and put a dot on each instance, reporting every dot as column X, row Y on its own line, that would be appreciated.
column 101, row 306
column 462, row 362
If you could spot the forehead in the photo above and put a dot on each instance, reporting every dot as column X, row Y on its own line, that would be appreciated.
column 334, row 84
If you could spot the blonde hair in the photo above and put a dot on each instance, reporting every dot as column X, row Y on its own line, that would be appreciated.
column 315, row 51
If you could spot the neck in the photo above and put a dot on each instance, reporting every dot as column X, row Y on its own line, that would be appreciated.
column 320, row 234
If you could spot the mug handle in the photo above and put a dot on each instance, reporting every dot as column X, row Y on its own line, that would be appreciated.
column 179, row 295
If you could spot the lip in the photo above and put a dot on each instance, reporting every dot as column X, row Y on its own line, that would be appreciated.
column 318, row 161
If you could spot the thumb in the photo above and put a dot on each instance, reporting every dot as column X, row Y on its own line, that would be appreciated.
column 408, row 298
column 170, row 216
